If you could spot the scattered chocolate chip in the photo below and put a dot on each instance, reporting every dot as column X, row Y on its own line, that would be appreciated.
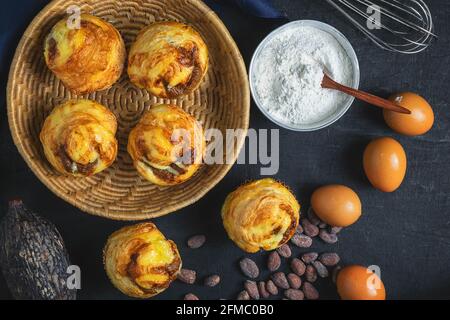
column 191, row 296
column 313, row 218
column 321, row 269
column 212, row 280
column 249, row 268
column 309, row 257
column 271, row 287
column 294, row 294
column 280, row 280
column 295, row 282
column 284, row 251
column 334, row 230
column 252, row 289
column 273, row 261
column 329, row 259
column 310, row 291
column 187, row 276
column 310, row 273
column 327, row 237
column 243, row 295
column 196, row 241
column 298, row 267
column 301, row 240
column 299, row 228
column 334, row 273
column 262, row 290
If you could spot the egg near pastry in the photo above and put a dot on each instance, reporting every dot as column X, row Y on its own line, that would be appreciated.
column 169, row 59
column 86, row 59
column 167, row 145
column 78, row 138
column 419, row 122
column 337, row 205
column 385, row 164
column 359, row 283
column 262, row 214
column 140, row 261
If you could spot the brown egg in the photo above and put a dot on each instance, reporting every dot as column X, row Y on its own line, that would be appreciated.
column 337, row 205
column 385, row 164
column 418, row 122
column 359, row 283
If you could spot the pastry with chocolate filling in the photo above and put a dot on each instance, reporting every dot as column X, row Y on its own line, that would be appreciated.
column 262, row 214
column 168, row 59
column 140, row 261
column 167, row 145
column 79, row 138
column 86, row 59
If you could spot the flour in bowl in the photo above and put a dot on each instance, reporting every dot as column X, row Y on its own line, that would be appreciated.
column 287, row 75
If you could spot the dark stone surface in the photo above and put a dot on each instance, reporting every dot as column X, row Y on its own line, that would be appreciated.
column 405, row 233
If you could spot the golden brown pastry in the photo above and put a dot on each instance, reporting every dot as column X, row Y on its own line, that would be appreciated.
column 79, row 138
column 167, row 145
column 262, row 214
column 140, row 261
column 169, row 59
column 87, row 59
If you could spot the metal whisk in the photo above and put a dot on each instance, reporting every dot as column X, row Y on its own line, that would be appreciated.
column 404, row 26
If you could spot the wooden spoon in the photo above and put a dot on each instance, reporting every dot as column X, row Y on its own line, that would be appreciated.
column 329, row 83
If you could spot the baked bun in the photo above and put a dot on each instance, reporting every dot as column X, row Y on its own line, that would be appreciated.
column 87, row 59
column 262, row 214
column 79, row 138
column 140, row 261
column 167, row 145
column 169, row 59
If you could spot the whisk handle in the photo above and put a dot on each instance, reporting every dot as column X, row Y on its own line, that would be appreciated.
column 329, row 83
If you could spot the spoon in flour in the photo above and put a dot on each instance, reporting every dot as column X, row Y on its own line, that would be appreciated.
column 329, row 83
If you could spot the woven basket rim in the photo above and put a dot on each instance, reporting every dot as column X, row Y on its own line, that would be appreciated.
column 212, row 16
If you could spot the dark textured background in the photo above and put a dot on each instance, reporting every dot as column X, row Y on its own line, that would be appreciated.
column 406, row 233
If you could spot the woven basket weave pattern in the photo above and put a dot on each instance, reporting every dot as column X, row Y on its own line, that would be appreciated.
column 222, row 102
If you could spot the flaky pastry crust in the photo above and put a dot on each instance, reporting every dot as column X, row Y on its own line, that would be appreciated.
column 262, row 214
column 87, row 59
column 140, row 261
column 78, row 138
column 167, row 145
column 169, row 59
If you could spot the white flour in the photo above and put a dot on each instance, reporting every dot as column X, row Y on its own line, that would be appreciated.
column 288, row 75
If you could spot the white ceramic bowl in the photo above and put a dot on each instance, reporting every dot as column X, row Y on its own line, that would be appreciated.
column 355, row 84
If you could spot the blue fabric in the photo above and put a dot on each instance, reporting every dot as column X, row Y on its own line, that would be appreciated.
column 258, row 8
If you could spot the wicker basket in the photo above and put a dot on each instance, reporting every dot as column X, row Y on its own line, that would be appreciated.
column 222, row 102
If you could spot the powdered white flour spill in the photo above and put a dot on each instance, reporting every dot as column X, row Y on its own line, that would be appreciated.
column 288, row 75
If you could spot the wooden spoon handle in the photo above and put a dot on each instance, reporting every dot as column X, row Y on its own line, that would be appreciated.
column 329, row 83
